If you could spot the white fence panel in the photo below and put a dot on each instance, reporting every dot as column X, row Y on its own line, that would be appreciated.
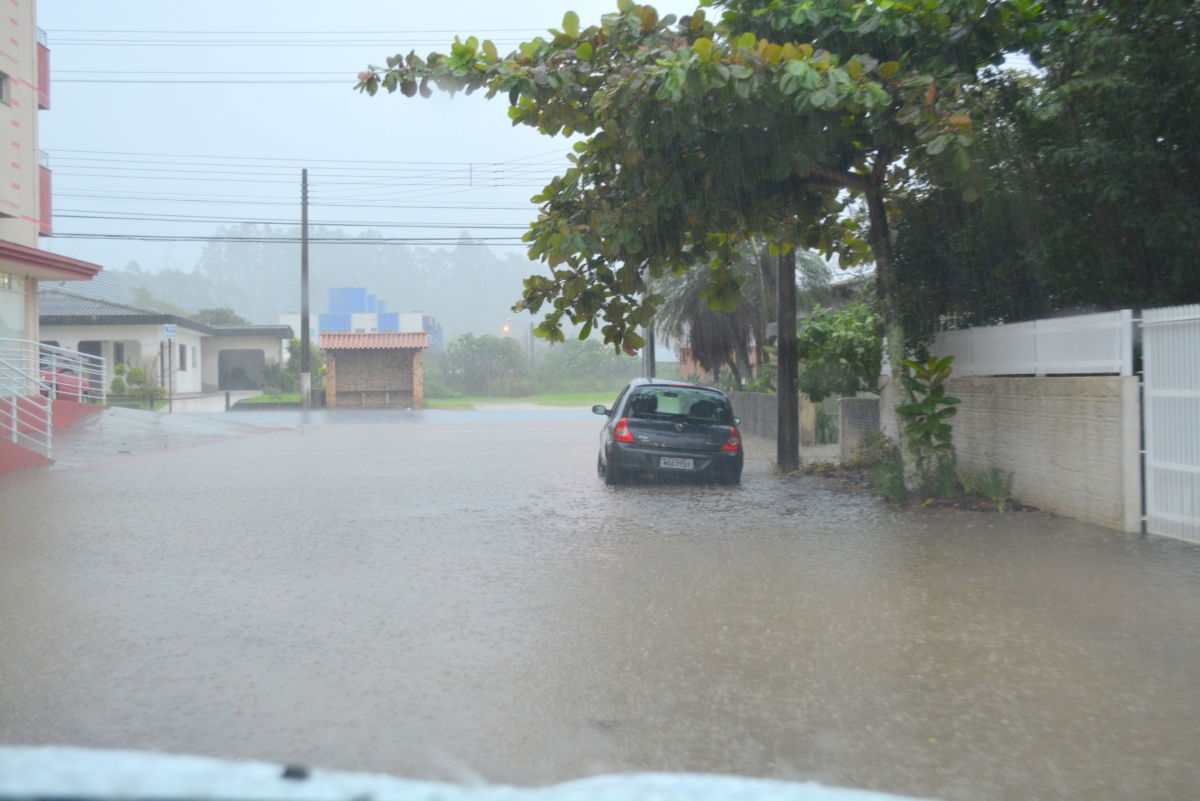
column 1087, row 344
column 1171, row 398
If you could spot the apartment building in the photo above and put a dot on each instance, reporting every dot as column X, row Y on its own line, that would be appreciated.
column 25, row 186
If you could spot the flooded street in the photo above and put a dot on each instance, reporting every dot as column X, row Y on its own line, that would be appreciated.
column 455, row 595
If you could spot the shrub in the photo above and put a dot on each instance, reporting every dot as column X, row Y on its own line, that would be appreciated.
column 887, row 480
column 945, row 482
column 995, row 485
column 875, row 448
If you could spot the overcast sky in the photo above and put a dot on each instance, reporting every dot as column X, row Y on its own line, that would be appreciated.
column 205, row 112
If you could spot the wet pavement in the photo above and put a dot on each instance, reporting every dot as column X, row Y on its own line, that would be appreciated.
column 455, row 595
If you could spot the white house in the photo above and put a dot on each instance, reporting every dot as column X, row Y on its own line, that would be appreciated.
column 199, row 357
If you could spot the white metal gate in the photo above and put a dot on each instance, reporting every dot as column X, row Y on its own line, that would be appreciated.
column 1171, row 392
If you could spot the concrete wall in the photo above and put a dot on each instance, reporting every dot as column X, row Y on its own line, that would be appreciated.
column 760, row 415
column 1072, row 443
column 857, row 417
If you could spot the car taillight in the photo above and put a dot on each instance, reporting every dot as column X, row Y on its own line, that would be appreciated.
column 622, row 433
column 734, row 441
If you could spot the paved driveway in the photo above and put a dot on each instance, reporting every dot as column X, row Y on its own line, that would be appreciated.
column 453, row 595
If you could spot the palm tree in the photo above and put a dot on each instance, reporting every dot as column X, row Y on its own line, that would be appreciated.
column 720, row 339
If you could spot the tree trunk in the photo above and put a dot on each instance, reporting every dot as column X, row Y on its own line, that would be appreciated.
column 787, row 443
column 889, row 303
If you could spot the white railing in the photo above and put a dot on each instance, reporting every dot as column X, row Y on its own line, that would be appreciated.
column 1087, row 344
column 67, row 374
column 26, row 414
column 32, row 376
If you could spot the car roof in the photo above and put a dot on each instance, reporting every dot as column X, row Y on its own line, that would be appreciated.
column 667, row 382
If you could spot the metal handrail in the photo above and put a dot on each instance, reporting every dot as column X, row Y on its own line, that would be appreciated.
column 32, row 377
column 42, row 359
column 26, row 415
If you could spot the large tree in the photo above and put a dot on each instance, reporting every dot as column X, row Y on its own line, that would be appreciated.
column 701, row 135
column 1092, row 176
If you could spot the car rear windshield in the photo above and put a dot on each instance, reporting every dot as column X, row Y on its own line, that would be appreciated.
column 680, row 403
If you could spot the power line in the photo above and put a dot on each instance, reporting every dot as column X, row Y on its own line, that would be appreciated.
column 198, row 219
column 300, row 161
column 285, row 240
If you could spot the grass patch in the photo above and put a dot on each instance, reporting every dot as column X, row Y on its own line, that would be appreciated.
column 286, row 397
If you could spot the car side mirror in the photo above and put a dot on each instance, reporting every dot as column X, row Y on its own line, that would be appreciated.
column 737, row 421
column 599, row 409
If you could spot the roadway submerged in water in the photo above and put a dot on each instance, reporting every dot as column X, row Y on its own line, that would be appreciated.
column 456, row 595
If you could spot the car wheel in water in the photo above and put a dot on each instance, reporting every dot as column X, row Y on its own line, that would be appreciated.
column 612, row 476
column 730, row 479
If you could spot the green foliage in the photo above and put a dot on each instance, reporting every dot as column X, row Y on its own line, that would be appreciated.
column 766, row 377
column 1091, row 177
column 316, row 367
column 117, row 387
column 219, row 316
column 995, row 485
column 887, row 480
column 483, row 365
column 925, row 431
column 278, row 380
column 840, row 352
column 584, row 366
column 140, row 387
column 873, row 449
column 825, row 428
column 670, row 176
column 945, row 483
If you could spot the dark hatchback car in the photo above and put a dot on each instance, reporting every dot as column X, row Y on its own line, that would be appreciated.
column 670, row 428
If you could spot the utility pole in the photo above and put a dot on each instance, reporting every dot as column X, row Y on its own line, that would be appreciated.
column 305, row 347
column 649, row 365
column 787, row 443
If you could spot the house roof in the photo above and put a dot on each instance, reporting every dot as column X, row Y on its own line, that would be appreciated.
column 280, row 331
column 59, row 303
column 59, row 307
column 375, row 341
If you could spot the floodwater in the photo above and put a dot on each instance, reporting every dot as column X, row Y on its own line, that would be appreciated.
column 457, row 596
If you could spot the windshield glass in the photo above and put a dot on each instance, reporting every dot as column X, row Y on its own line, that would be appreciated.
column 662, row 403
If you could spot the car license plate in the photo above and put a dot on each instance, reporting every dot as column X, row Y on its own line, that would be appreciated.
column 675, row 463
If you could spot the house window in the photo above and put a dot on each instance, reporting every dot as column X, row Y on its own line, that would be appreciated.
column 118, row 353
column 182, row 358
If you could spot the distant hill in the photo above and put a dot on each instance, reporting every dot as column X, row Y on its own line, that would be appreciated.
column 469, row 288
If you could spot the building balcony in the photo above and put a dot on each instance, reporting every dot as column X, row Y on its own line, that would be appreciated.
column 43, row 82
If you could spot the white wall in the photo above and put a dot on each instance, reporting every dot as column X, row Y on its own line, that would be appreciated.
column 1072, row 443
column 272, row 349
column 141, row 347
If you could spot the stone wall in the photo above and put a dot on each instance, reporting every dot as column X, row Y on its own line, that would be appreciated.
column 384, row 377
column 1072, row 443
